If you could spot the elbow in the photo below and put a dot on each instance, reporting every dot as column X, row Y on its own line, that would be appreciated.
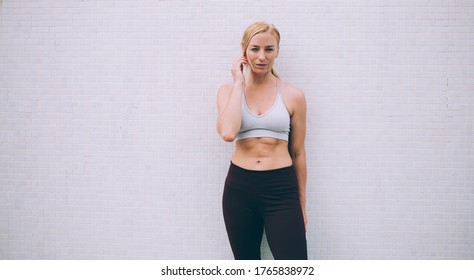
column 227, row 133
column 228, row 137
column 296, row 153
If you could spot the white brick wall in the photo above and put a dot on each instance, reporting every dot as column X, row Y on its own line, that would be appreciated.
column 107, row 126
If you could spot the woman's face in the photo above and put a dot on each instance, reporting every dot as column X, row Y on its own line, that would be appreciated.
column 261, row 52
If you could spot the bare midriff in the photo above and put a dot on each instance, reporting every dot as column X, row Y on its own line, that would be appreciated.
column 261, row 154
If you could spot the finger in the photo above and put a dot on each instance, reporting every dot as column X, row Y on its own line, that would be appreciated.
column 239, row 65
column 239, row 62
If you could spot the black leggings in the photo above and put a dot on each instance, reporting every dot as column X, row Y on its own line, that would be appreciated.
column 253, row 200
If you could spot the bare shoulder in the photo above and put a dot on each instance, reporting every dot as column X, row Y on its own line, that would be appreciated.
column 293, row 96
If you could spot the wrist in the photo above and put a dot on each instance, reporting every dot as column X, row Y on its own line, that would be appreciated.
column 238, row 83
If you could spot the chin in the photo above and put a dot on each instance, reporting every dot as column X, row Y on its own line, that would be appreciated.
column 261, row 71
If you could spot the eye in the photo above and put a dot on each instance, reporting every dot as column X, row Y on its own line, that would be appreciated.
column 269, row 50
column 254, row 49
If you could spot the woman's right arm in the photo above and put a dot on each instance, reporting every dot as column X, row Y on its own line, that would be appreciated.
column 229, row 104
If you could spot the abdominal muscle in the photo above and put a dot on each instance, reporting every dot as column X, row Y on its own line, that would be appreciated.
column 261, row 154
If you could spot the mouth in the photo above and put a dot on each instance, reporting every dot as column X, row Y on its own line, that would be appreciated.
column 261, row 65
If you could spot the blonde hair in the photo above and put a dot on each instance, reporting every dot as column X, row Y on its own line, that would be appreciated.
column 257, row 28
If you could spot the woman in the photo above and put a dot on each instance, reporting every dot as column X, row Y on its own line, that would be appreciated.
column 266, row 182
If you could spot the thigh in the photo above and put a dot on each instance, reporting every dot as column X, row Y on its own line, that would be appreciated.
column 243, row 223
column 286, row 234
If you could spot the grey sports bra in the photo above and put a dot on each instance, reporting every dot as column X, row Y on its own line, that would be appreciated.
column 275, row 123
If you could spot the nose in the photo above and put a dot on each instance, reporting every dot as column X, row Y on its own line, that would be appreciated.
column 261, row 56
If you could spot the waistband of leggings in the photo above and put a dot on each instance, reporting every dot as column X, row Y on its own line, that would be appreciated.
column 273, row 180
column 277, row 170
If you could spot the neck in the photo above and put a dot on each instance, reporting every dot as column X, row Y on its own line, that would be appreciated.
column 259, row 80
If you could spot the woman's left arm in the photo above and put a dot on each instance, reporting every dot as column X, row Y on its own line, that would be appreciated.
column 297, row 141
